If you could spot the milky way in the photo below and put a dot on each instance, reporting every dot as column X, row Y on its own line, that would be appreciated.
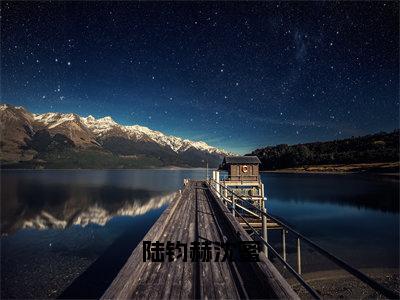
column 236, row 75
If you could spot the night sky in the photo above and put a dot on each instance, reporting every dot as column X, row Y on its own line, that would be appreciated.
column 236, row 75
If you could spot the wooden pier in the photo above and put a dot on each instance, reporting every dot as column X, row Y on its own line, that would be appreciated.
column 196, row 214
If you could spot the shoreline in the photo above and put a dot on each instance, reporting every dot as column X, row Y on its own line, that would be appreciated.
column 340, row 284
column 105, row 169
column 383, row 169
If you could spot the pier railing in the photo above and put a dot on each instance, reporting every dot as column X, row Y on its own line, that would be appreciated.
column 238, row 201
column 241, row 178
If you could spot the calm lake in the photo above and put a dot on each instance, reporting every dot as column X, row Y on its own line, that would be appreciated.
column 79, row 226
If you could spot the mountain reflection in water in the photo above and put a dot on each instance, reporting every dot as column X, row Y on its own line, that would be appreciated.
column 33, row 205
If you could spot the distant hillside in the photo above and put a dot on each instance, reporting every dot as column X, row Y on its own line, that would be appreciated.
column 375, row 148
column 55, row 140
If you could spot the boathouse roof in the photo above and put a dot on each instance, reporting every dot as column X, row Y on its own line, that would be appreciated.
column 241, row 160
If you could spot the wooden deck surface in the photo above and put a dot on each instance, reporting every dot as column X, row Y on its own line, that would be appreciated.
column 196, row 215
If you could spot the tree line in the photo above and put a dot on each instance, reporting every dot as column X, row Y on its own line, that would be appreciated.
column 380, row 147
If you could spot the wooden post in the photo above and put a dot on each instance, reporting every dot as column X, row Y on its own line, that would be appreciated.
column 262, row 204
column 284, row 244
column 265, row 232
column 218, row 188
column 298, row 256
column 233, row 206
column 225, row 192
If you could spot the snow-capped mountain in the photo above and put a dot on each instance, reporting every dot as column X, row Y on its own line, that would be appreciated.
column 103, row 126
column 107, row 126
column 52, row 132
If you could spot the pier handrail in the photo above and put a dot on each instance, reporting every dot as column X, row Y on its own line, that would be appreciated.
column 353, row 271
column 299, row 278
column 288, row 266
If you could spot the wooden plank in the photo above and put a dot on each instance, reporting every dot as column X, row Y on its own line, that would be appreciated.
column 217, row 280
column 124, row 283
column 175, row 273
column 150, row 280
column 160, row 275
column 154, row 287
column 187, row 291
column 206, row 279
column 224, row 285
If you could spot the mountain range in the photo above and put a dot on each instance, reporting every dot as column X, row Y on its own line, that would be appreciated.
column 57, row 140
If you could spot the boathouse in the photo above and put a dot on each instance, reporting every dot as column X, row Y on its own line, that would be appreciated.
column 243, row 177
column 241, row 168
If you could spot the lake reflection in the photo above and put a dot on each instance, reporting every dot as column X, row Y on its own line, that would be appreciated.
column 354, row 216
column 44, row 206
column 57, row 199
column 57, row 225
column 79, row 226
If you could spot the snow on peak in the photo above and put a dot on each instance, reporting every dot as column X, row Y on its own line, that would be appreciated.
column 5, row 106
column 55, row 119
column 175, row 143
column 99, row 126
column 107, row 120
column 104, row 125
column 92, row 121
